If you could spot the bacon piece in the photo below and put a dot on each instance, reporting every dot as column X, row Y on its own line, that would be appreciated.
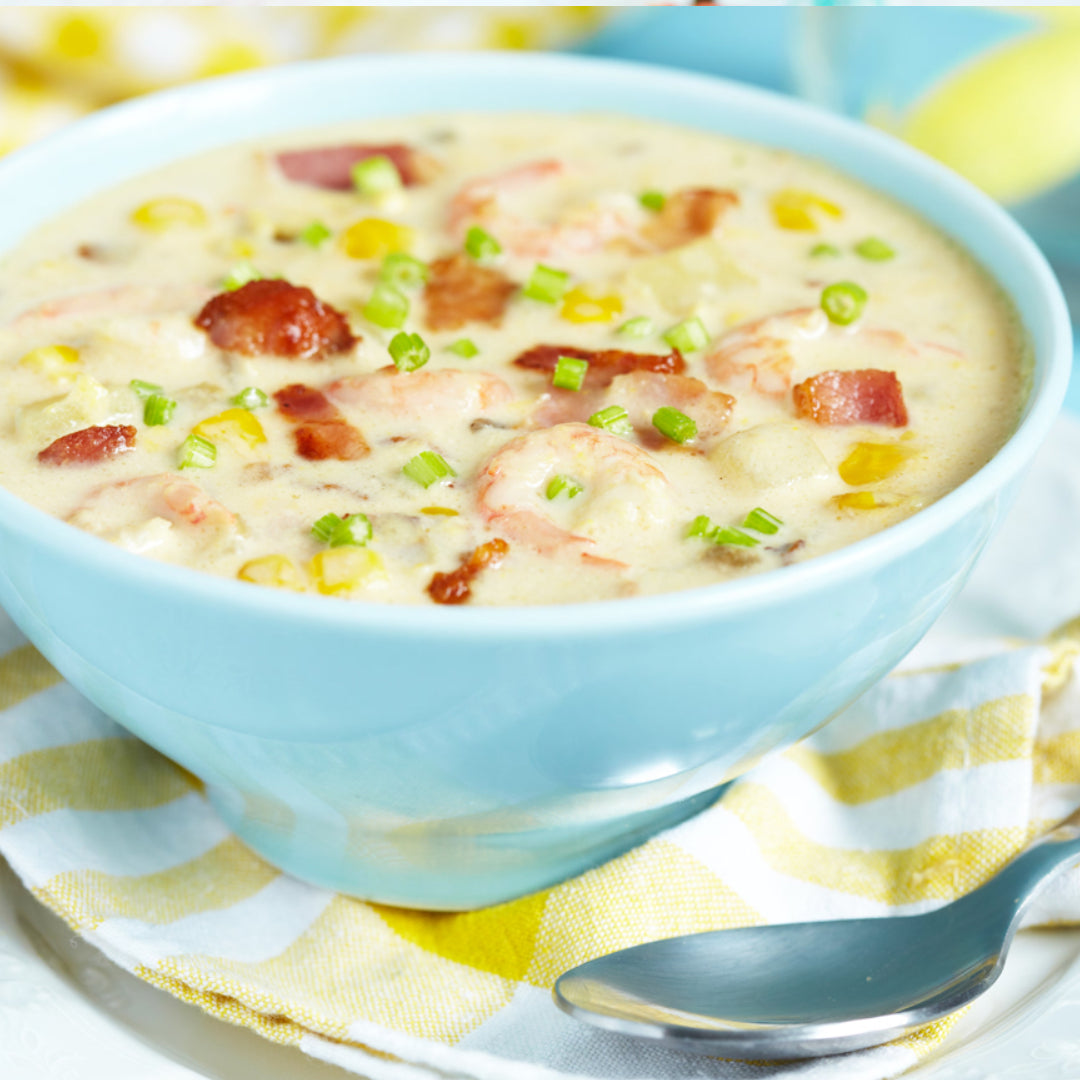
column 604, row 364
column 272, row 317
column 330, row 167
column 89, row 446
column 460, row 290
column 687, row 215
column 867, row 396
column 455, row 587
column 321, row 431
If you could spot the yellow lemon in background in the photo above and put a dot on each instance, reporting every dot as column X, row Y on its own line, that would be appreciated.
column 1008, row 120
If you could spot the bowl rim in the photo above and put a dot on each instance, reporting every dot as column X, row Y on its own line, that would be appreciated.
column 629, row 615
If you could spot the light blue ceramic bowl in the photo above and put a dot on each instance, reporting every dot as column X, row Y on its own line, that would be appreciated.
column 451, row 758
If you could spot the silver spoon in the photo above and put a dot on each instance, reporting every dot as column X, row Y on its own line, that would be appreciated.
column 806, row 989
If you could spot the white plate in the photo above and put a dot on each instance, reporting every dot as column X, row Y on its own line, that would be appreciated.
column 67, row 1013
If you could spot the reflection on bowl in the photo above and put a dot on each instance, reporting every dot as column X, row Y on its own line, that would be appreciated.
column 451, row 758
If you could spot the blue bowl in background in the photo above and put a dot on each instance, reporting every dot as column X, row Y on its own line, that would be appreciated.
column 451, row 758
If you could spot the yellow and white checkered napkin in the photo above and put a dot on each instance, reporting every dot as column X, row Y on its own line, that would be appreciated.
column 914, row 796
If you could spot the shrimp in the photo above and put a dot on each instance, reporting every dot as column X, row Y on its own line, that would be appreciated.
column 625, row 496
column 479, row 202
column 417, row 395
column 641, row 393
column 115, row 301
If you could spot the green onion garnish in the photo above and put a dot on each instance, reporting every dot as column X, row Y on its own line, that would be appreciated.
column 724, row 535
column 688, row 336
column 387, row 307
column 546, row 284
column 354, row 531
column 843, row 302
column 701, row 527
column 762, row 521
column 480, row 244
column 614, row 419
column 403, row 271
column 314, row 235
column 197, row 453
column 569, row 373
column 819, row 251
column 652, row 200
column 641, row 326
column 562, row 483
column 874, row 249
column 674, row 425
column 376, row 176
column 426, row 468
column 464, row 347
column 158, row 410
column 239, row 276
column 325, row 527
column 251, row 397
column 408, row 351
column 145, row 389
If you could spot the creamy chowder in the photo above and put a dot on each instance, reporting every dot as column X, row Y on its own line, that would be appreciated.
column 498, row 359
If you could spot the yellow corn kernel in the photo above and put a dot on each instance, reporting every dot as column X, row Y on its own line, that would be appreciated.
column 342, row 569
column 798, row 210
column 158, row 215
column 55, row 361
column 579, row 307
column 372, row 238
column 438, row 511
column 856, row 500
column 274, row 571
column 242, row 249
column 239, row 427
column 870, row 462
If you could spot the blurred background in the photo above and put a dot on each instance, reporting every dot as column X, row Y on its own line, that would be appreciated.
column 992, row 92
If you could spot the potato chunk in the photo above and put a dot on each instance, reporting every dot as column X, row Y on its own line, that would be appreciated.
column 769, row 456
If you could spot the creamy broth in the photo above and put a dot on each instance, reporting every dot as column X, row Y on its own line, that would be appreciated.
column 733, row 391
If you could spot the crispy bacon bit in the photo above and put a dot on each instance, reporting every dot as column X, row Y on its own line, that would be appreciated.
column 89, row 446
column 460, row 290
column 331, row 166
column 604, row 364
column 867, row 396
column 321, row 431
column 272, row 317
column 688, row 215
column 455, row 587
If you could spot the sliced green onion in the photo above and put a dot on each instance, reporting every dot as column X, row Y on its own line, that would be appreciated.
column 614, row 419
column 354, row 531
column 426, row 468
column 408, row 351
column 480, row 244
column 874, row 249
column 314, row 235
column 701, row 527
column 828, row 251
column 158, row 410
column 724, row 535
column 843, row 302
column 674, row 425
column 641, row 326
column 762, row 521
column 652, row 200
column 688, row 336
column 251, row 397
column 145, row 389
column 464, row 347
column 560, row 483
column 239, row 276
column 403, row 271
column 569, row 373
column 325, row 527
column 388, row 307
column 546, row 284
column 197, row 453
column 376, row 176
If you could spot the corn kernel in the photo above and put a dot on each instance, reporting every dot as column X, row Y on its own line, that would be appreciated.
column 373, row 238
column 340, row 570
column 438, row 511
column 870, row 462
column 239, row 427
column 55, row 361
column 157, row 215
column 798, row 210
column 242, row 249
column 273, row 571
column 856, row 500
column 579, row 307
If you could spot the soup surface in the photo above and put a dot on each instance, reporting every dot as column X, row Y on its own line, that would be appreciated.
column 496, row 359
